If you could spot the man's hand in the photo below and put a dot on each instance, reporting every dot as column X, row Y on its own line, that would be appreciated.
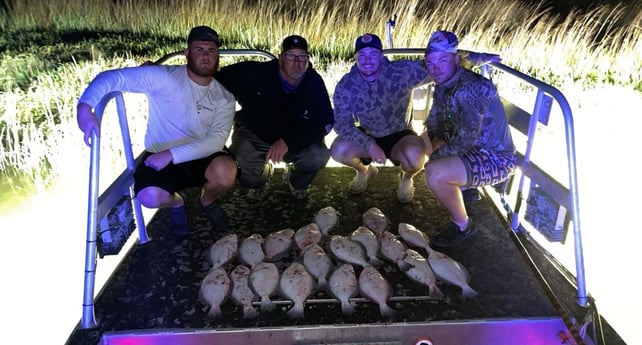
column 427, row 143
column 376, row 153
column 277, row 151
column 471, row 59
column 437, row 143
column 159, row 161
column 493, row 57
column 87, row 122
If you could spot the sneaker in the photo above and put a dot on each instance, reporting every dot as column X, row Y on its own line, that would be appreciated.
column 299, row 194
column 406, row 191
column 360, row 182
column 217, row 217
column 287, row 172
column 471, row 194
column 257, row 194
column 501, row 187
column 453, row 235
column 268, row 170
column 179, row 219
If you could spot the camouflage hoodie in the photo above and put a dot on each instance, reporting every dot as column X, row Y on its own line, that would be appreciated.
column 467, row 114
column 380, row 107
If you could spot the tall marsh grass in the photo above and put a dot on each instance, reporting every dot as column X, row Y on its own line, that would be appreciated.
column 50, row 50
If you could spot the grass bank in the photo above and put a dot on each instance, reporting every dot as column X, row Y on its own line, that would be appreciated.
column 50, row 50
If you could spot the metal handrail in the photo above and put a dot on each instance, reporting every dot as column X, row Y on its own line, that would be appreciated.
column 569, row 132
column 222, row 52
column 95, row 212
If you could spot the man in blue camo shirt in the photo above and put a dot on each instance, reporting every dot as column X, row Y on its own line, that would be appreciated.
column 467, row 135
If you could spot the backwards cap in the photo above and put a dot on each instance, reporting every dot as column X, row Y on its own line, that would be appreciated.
column 367, row 40
column 442, row 41
column 203, row 33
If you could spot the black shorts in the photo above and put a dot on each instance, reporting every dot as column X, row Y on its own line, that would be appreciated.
column 174, row 177
column 388, row 142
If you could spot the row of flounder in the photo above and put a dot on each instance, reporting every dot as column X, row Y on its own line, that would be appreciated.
column 256, row 277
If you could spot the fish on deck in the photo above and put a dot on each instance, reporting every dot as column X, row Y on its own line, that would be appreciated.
column 264, row 281
column 242, row 294
column 214, row 290
column 343, row 286
column 326, row 219
column 251, row 250
column 277, row 244
column 223, row 250
column 375, row 287
column 369, row 240
column 297, row 285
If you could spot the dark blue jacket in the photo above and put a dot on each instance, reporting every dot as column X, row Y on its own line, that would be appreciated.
column 301, row 118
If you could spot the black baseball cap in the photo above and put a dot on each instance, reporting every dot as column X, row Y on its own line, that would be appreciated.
column 203, row 33
column 368, row 40
column 293, row 42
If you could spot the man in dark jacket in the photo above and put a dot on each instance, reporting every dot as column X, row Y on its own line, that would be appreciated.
column 284, row 117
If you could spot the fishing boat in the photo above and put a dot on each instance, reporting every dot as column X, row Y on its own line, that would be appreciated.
column 525, row 296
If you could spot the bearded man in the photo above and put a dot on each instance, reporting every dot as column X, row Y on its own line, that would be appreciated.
column 189, row 120
column 467, row 136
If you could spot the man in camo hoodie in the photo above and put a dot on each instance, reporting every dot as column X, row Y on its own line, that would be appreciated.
column 467, row 135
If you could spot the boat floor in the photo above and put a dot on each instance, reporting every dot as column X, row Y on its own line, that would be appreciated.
column 156, row 286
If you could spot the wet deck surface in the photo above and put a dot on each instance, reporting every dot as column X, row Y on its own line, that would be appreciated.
column 156, row 286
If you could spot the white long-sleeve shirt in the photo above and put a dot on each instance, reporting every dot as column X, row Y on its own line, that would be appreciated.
column 174, row 122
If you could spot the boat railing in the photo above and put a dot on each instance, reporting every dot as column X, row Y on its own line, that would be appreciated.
column 526, row 122
column 99, row 206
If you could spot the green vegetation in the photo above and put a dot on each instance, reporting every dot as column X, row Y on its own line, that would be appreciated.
column 50, row 50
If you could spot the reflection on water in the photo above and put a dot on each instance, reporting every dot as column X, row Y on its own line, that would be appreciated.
column 42, row 253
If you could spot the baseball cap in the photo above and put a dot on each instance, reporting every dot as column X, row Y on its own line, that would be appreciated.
column 203, row 33
column 442, row 41
column 367, row 40
column 293, row 42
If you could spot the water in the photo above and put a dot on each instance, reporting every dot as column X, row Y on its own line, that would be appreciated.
column 43, row 251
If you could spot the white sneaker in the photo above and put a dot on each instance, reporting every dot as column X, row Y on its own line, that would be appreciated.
column 287, row 172
column 360, row 182
column 268, row 170
column 406, row 191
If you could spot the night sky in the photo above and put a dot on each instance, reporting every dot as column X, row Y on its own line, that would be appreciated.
column 564, row 6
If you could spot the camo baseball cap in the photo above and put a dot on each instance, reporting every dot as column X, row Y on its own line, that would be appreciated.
column 442, row 41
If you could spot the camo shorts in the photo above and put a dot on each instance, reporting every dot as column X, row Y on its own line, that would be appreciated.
column 488, row 168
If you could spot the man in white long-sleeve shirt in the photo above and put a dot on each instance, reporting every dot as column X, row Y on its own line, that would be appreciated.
column 190, row 119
